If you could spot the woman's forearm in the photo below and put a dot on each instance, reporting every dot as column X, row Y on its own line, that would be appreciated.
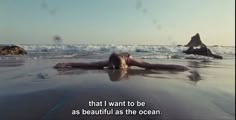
column 157, row 66
column 77, row 65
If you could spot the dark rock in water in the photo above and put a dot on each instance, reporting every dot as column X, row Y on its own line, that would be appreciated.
column 179, row 45
column 176, row 57
column 215, row 46
column 202, row 51
column 195, row 41
column 12, row 50
column 141, row 50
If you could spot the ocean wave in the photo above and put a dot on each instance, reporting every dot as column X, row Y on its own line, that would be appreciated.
column 101, row 48
column 140, row 51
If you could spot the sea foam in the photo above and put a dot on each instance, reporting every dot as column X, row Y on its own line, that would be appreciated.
column 94, row 51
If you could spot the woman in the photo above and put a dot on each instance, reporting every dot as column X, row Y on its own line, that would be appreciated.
column 120, row 61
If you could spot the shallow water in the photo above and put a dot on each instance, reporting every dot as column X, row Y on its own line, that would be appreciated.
column 32, row 89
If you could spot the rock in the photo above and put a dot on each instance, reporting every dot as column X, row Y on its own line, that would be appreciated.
column 195, row 41
column 215, row 46
column 12, row 50
column 175, row 57
column 179, row 45
column 204, row 51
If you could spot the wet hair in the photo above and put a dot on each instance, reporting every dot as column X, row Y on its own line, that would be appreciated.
column 116, row 61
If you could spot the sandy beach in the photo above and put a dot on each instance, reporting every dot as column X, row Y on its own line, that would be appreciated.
column 33, row 90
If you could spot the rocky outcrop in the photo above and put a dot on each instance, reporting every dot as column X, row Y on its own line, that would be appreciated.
column 203, row 50
column 179, row 45
column 12, row 50
column 195, row 41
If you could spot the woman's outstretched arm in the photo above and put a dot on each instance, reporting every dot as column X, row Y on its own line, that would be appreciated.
column 93, row 65
column 146, row 65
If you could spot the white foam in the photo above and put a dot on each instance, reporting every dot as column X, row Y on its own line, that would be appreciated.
column 156, row 51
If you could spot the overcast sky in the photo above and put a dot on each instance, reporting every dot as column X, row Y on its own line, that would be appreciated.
column 152, row 22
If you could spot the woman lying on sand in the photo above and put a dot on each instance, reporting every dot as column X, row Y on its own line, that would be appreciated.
column 120, row 61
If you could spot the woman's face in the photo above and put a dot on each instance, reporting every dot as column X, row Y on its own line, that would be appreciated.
column 119, row 63
column 123, row 64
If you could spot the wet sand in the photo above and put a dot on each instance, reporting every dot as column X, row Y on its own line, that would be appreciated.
column 35, row 91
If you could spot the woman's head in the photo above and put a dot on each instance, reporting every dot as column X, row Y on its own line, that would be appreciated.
column 117, row 61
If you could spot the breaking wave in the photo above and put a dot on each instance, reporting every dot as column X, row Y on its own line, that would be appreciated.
column 97, row 51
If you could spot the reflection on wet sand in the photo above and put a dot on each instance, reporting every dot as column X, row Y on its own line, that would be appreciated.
column 125, row 74
column 203, row 64
column 11, row 61
column 199, row 64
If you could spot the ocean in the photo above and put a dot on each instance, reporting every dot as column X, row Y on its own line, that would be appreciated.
column 98, row 51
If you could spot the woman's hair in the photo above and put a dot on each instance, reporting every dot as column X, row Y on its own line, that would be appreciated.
column 117, row 61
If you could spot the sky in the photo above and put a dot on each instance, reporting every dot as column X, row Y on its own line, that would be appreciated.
column 135, row 22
